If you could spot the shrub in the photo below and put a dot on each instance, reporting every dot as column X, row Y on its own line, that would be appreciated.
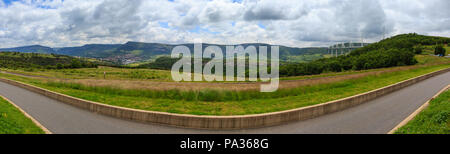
column 418, row 49
column 439, row 50
column 59, row 66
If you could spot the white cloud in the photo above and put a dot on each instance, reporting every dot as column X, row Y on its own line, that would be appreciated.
column 286, row 22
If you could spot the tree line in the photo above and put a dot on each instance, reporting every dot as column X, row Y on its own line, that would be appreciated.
column 15, row 60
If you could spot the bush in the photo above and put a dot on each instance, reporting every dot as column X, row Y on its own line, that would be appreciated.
column 59, row 66
column 418, row 49
column 439, row 50
column 75, row 63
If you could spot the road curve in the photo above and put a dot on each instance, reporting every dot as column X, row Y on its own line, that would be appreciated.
column 376, row 116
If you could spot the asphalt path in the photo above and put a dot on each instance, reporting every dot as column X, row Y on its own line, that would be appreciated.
column 376, row 116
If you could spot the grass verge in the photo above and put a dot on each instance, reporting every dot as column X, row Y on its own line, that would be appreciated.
column 12, row 121
column 435, row 119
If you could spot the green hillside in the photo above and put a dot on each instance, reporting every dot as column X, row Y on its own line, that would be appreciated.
column 14, row 60
column 394, row 51
column 402, row 42
column 89, row 50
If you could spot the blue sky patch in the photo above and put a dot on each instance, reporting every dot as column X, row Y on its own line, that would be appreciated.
column 198, row 29
column 261, row 26
column 164, row 24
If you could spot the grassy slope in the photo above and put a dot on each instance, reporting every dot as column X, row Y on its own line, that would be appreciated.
column 304, row 96
column 433, row 120
column 12, row 121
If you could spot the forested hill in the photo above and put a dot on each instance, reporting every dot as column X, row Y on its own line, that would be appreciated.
column 399, row 50
column 14, row 60
column 31, row 49
column 89, row 50
column 406, row 42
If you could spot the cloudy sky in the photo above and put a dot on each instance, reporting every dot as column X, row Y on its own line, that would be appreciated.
column 298, row 23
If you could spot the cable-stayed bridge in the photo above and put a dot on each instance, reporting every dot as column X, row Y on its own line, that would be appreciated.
column 344, row 48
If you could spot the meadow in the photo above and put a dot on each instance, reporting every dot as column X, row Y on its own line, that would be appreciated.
column 102, row 72
column 206, row 101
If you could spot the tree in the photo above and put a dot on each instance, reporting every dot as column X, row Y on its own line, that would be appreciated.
column 76, row 63
column 439, row 50
column 418, row 49
column 59, row 66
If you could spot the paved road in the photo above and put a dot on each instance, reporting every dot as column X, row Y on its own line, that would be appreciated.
column 377, row 116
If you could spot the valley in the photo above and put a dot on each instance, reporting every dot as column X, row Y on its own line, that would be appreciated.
column 153, row 90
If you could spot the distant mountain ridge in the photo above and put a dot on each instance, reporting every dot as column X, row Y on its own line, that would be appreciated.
column 138, row 51
column 31, row 48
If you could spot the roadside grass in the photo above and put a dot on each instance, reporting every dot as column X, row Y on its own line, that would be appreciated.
column 435, row 119
column 208, row 102
column 12, row 121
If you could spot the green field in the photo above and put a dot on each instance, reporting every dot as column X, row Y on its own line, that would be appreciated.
column 211, row 102
column 98, row 73
column 12, row 121
column 435, row 119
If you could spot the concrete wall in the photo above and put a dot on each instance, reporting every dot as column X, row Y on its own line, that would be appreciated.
column 224, row 122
